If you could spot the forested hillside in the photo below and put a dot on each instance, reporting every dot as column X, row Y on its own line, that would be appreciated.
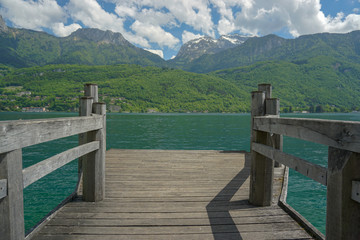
column 318, row 84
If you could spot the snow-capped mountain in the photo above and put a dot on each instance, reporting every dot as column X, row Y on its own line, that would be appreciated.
column 207, row 45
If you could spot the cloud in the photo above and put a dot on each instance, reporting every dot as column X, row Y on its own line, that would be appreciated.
column 35, row 15
column 91, row 14
column 157, row 52
column 261, row 17
column 62, row 31
column 155, row 34
column 187, row 36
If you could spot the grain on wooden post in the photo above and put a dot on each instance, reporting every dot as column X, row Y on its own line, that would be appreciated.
column 261, row 173
column 276, row 140
column 343, row 213
column 12, row 206
column 267, row 88
column 91, row 90
column 85, row 109
column 94, row 166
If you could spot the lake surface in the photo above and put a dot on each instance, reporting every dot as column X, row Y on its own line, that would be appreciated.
column 173, row 131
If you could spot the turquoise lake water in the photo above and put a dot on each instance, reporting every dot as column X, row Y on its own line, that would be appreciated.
column 173, row 131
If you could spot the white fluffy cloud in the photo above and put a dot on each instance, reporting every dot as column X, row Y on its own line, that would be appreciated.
column 37, row 15
column 194, row 13
column 156, row 51
column 91, row 14
column 261, row 17
column 61, row 30
column 161, row 23
column 155, row 34
column 187, row 36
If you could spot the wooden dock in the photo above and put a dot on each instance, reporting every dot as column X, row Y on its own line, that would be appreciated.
column 163, row 194
column 166, row 194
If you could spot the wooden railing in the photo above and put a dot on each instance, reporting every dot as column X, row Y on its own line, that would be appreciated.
column 15, row 135
column 342, row 176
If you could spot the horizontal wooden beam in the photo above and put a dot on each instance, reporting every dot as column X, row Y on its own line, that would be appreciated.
column 338, row 134
column 355, row 192
column 23, row 133
column 41, row 169
column 302, row 166
column 3, row 188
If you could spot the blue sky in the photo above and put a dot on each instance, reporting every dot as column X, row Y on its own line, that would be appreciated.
column 162, row 26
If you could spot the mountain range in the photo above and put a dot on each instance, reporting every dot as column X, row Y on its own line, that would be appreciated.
column 26, row 48
column 312, row 70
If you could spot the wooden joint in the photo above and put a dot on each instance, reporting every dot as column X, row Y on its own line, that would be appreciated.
column 355, row 192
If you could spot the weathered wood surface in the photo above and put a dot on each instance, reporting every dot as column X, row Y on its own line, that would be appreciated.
column 338, row 134
column 313, row 171
column 94, row 164
column 3, row 188
column 23, row 133
column 261, row 167
column 159, row 194
column 43, row 168
column 342, row 213
column 355, row 191
column 12, row 206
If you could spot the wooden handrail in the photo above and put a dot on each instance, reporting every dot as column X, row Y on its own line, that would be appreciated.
column 339, row 134
column 45, row 167
column 308, row 169
column 23, row 133
column 15, row 135
column 341, row 177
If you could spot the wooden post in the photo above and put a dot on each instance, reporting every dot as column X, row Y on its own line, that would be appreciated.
column 91, row 90
column 262, row 169
column 267, row 88
column 85, row 109
column 12, row 206
column 276, row 140
column 94, row 166
column 343, row 213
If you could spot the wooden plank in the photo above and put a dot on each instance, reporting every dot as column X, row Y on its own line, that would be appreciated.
column 175, row 203
column 355, row 192
column 313, row 171
column 43, row 168
column 168, row 221
column 23, row 133
column 286, row 235
column 3, row 188
column 133, row 230
column 342, row 213
column 12, row 206
column 339, row 134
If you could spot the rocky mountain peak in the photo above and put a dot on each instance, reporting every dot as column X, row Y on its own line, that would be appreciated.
column 100, row 36
column 206, row 45
column 3, row 27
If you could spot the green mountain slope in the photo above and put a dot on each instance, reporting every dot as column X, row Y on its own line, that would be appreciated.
column 123, row 87
column 25, row 48
column 320, row 83
column 345, row 47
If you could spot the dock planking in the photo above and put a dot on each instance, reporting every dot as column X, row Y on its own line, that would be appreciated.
column 174, row 194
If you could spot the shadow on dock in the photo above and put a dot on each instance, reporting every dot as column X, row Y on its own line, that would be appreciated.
column 223, row 198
